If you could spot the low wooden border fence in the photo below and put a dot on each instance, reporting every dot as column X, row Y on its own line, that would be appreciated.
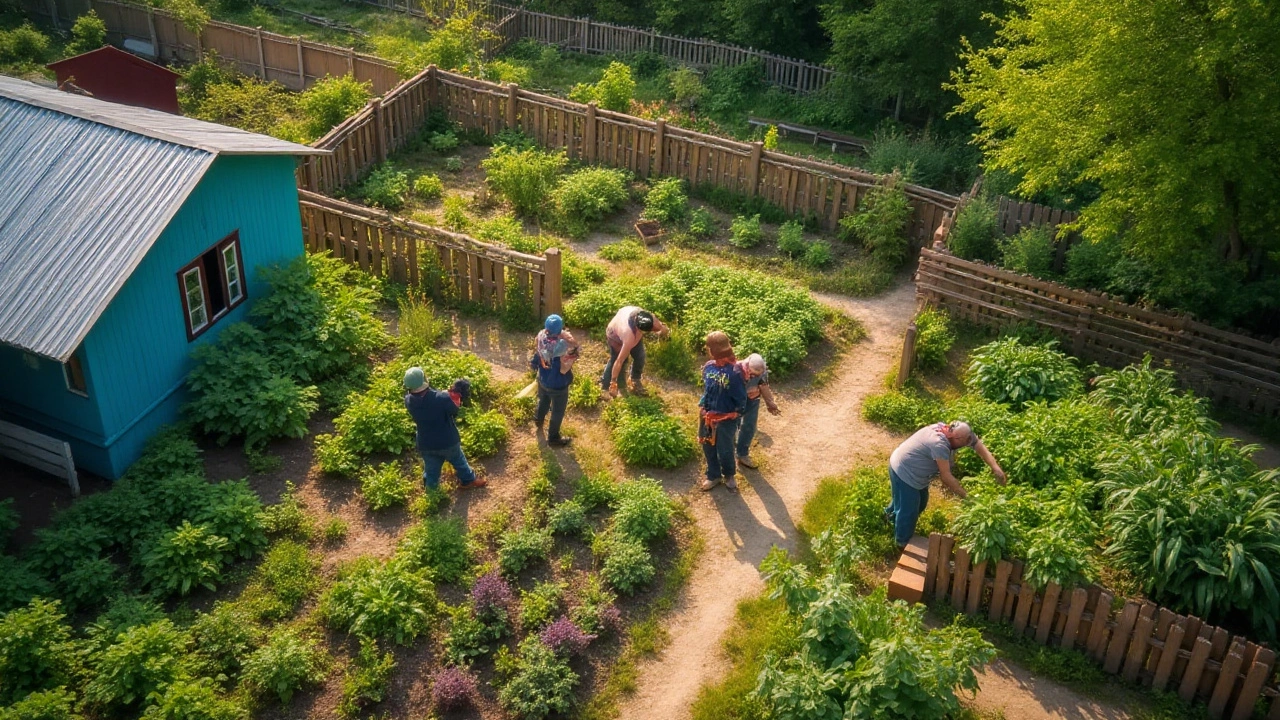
column 1228, row 367
column 1141, row 642
column 648, row 148
column 395, row 248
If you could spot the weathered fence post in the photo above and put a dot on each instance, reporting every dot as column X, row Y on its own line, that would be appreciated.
column 512, row 98
column 151, row 26
column 379, row 130
column 302, row 68
column 584, row 26
column 589, row 132
column 53, row 14
column 351, row 61
column 753, row 170
column 908, row 355
column 262, row 53
column 659, row 151
column 432, row 100
column 552, row 285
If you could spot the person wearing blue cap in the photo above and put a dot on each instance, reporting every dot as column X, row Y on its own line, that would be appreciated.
column 554, row 353
column 434, row 412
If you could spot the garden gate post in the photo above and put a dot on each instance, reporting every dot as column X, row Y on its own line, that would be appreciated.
column 512, row 90
column 753, row 170
column 379, row 130
column 908, row 355
column 589, row 132
column 659, row 151
column 551, row 287
column 432, row 71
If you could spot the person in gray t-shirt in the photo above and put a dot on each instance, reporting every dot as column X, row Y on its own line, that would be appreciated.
column 927, row 454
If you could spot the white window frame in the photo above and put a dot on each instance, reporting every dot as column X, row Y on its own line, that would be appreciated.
column 192, row 327
column 232, row 250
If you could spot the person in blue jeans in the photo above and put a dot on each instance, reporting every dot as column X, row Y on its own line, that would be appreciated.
column 625, row 336
column 434, row 413
column 927, row 454
column 554, row 353
column 724, row 398
column 756, row 375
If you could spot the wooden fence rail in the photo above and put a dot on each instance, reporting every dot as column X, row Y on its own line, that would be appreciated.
column 1141, row 642
column 648, row 148
column 402, row 251
column 293, row 62
column 1228, row 367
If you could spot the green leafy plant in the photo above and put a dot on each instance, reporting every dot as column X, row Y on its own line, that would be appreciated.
column 471, row 637
column 541, row 683
column 223, row 637
column 443, row 142
column 642, row 510
column 666, row 201
column 539, row 606
column 771, row 138
column 518, row 549
column 88, row 33
column 331, row 100
column 1031, row 251
column 934, row 339
column 987, row 525
column 702, row 224
column 1053, row 555
column 901, row 411
column 56, row 704
column 190, row 556
column 290, row 571
column 386, row 187
column 381, row 600
column 439, row 547
column 36, row 650
column 428, row 186
column 745, row 232
column 288, row 662
column 595, row 490
column 1007, row 371
column 288, row 517
column 143, row 660
column 974, row 233
column 613, row 91
column 373, row 424
column 365, row 681
column 384, row 486
column 567, row 518
column 625, row 562
column 453, row 164
column 483, row 433
column 587, row 196
column 623, row 250
column 232, row 510
column 880, row 225
column 584, row 393
column 791, row 240
column 524, row 177
column 817, row 255
column 645, row 435
column 686, row 86
column 455, row 214
column 334, row 530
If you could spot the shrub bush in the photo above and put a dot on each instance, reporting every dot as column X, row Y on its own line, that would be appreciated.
column 373, row 424
column 386, row 187
column 187, row 557
column 428, row 186
column 381, row 600
column 686, row 86
column 745, row 232
column 587, row 196
column 666, row 201
column 627, row 565
column 88, row 33
column 880, row 225
column 974, row 233
column 646, row 436
column 23, row 45
column 900, row 411
column 56, row 704
column 444, row 142
column 791, row 240
column 384, row 486
column 702, row 224
column 453, row 164
column 1031, row 252
column 453, row 688
column 524, row 177
column 542, row 682
column 88, row 582
column 194, row 699
column 471, row 637
column 454, row 213
column 288, row 662
column 36, row 650
column 565, row 638
column 623, row 250
column 223, row 637
column 290, row 571
column 483, row 433
column 817, row 255
column 592, row 491
column 539, row 605
column 584, row 393
column 518, row 549
column 22, row 583
column 144, row 660
column 330, row 101
column 642, row 509
column 232, row 510
column 438, row 547
column 933, row 339
column 567, row 518
column 1007, row 371
column 366, row 680
column 613, row 92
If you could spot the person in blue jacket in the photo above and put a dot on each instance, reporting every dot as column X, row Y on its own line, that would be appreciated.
column 554, row 353
column 724, row 399
column 434, row 412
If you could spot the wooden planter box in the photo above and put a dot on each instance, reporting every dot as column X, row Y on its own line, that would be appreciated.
column 650, row 231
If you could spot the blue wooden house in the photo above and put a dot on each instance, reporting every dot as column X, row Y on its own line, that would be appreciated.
column 127, row 237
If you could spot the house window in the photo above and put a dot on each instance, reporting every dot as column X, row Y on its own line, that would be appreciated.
column 73, row 373
column 212, row 284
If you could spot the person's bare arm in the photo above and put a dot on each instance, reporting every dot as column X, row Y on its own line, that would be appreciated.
column 948, row 479
column 660, row 327
column 623, row 354
column 767, row 395
column 990, row 460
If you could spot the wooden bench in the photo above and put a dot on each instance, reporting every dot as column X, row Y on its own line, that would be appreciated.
column 39, row 451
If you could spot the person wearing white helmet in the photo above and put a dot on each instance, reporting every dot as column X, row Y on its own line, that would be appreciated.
column 554, row 353
column 434, row 412
column 756, row 373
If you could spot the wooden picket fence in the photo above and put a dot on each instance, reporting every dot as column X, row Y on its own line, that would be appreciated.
column 1228, row 367
column 1141, row 642
column 293, row 62
column 400, row 250
column 648, row 148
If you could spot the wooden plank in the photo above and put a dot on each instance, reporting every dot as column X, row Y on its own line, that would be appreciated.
column 1137, row 655
column 1170, row 654
column 1259, row 672
column 944, row 568
column 1195, row 669
column 1079, row 599
column 1048, row 610
column 1120, row 637
column 977, row 583
column 1015, row 576
column 1164, row 620
column 959, row 578
column 1220, row 641
column 999, row 589
column 1098, row 626
column 1227, row 676
column 931, row 568
column 1026, row 598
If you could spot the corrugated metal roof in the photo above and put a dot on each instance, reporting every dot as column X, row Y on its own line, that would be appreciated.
column 176, row 129
column 84, row 193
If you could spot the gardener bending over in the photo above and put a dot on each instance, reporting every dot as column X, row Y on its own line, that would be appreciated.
column 724, row 398
column 927, row 454
column 625, row 335
column 756, row 375
column 433, row 413
column 553, row 356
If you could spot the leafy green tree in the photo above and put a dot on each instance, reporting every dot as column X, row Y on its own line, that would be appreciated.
column 1169, row 108
column 905, row 49
column 786, row 27
column 89, row 33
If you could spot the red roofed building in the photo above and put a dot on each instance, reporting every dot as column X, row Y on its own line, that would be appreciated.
column 114, row 75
